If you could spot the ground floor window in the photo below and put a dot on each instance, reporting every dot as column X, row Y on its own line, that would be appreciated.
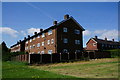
column 42, row 52
column 49, row 51
column 65, row 51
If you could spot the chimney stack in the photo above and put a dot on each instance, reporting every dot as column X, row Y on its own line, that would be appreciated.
column 66, row 16
column 41, row 30
column 105, row 39
column 35, row 33
column 96, row 37
column 24, row 38
column 28, row 36
column 20, row 41
column 113, row 40
column 54, row 22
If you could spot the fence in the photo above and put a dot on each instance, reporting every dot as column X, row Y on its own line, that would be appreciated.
column 60, row 57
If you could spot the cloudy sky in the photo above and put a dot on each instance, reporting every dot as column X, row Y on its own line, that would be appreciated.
column 22, row 18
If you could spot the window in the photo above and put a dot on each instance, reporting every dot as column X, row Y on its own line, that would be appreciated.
column 42, row 52
column 77, row 51
column 48, row 42
column 33, row 46
column 65, row 40
column 26, row 42
column 52, row 41
column 64, row 29
column 34, row 38
column 77, row 31
column 30, row 47
column 50, row 32
column 49, row 51
column 43, row 35
column 30, row 40
column 38, row 45
column 42, row 43
column 26, row 48
column 65, row 51
column 38, row 36
column 77, row 41
column 38, row 52
column 94, row 44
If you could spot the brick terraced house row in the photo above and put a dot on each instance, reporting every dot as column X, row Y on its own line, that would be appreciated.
column 65, row 36
column 100, row 44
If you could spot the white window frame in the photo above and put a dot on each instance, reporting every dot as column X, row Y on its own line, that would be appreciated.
column 77, row 41
column 49, row 51
column 43, row 35
column 48, row 42
column 50, row 32
column 38, row 52
column 43, row 43
column 94, row 44
column 30, row 40
column 38, row 36
column 38, row 44
column 42, row 52
column 77, row 51
column 65, row 40
column 52, row 41
column 65, row 29
column 76, row 31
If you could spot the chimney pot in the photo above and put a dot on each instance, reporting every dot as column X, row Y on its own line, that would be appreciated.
column 24, row 38
column 95, row 37
column 19, row 40
column 113, row 40
column 54, row 22
column 28, row 36
column 41, row 30
column 66, row 16
column 35, row 33
column 105, row 39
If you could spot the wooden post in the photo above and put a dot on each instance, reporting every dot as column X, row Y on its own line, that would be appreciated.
column 68, row 56
column 60, row 57
column 75, row 56
column 29, row 59
column 41, row 58
column 51, row 58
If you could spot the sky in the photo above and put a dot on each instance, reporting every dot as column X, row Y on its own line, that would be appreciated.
column 22, row 18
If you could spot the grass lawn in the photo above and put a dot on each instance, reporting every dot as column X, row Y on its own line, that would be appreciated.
column 21, row 70
column 100, row 68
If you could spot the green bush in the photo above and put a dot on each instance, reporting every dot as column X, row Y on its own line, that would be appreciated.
column 115, row 52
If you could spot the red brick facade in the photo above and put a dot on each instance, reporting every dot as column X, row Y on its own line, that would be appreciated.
column 100, row 44
column 65, row 36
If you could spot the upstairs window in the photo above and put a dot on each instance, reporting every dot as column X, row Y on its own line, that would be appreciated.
column 77, row 41
column 34, row 38
column 65, row 40
column 50, row 32
column 48, row 42
column 30, row 40
column 38, row 45
column 64, row 29
column 43, row 35
column 52, row 41
column 77, row 31
column 38, row 36
column 26, row 42
column 65, row 51
column 94, row 44
column 42, row 43
column 49, row 51
column 30, row 47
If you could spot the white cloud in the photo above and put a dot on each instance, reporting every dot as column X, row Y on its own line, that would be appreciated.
column 86, row 33
column 23, row 32
column 99, row 31
column 110, row 34
column 32, row 30
column 9, row 31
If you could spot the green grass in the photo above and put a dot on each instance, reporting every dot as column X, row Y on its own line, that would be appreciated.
column 21, row 70
column 101, row 68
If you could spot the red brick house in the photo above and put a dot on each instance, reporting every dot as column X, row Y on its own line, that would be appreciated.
column 100, row 44
column 62, row 37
